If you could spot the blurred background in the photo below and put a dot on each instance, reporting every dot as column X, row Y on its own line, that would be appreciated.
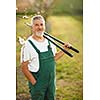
column 64, row 20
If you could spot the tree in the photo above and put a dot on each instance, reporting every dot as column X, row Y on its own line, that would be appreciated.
column 43, row 7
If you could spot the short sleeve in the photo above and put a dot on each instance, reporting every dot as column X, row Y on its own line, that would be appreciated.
column 25, row 54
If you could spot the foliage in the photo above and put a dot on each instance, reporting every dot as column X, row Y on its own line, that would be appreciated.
column 70, row 7
column 48, row 7
column 42, row 7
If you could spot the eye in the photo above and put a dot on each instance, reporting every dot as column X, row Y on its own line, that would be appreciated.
column 41, row 24
column 36, row 25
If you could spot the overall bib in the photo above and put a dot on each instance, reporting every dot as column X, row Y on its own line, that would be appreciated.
column 44, row 89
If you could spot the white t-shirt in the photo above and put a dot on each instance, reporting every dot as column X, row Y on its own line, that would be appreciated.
column 29, row 53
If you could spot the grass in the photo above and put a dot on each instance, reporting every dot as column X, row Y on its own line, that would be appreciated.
column 69, row 73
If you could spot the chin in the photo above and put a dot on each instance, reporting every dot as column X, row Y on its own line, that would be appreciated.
column 39, row 34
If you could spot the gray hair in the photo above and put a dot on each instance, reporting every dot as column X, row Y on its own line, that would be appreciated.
column 37, row 17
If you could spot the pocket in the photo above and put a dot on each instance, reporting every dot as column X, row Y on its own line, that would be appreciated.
column 31, row 87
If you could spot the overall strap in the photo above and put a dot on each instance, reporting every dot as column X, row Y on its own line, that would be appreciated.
column 34, row 46
column 49, row 46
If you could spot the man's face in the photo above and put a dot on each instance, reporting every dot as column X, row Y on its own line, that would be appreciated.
column 38, row 27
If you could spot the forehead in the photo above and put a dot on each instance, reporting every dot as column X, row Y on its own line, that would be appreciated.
column 37, row 21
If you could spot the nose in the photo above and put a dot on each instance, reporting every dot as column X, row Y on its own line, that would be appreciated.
column 40, row 26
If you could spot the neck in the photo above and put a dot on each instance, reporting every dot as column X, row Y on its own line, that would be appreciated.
column 38, row 38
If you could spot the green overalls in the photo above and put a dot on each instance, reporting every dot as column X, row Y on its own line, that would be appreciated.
column 44, row 89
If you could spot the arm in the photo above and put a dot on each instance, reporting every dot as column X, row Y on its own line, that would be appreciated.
column 59, row 54
column 25, row 62
column 27, row 73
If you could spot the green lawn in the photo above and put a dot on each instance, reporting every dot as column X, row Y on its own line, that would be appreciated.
column 69, row 73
